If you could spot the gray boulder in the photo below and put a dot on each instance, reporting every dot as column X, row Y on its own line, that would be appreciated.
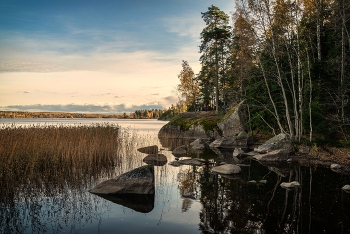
column 280, row 142
column 137, row 181
column 234, row 122
column 227, row 169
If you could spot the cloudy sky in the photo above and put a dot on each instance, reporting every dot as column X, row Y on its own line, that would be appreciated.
column 97, row 56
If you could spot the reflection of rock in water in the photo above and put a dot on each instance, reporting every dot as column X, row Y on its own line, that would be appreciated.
column 156, row 159
column 138, row 202
column 153, row 149
column 137, row 181
column 186, row 204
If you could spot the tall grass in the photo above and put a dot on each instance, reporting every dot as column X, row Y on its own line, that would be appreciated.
column 56, row 155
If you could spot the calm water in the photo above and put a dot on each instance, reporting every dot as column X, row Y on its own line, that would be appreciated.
column 190, row 199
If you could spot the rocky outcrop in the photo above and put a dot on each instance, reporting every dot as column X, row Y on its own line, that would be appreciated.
column 194, row 132
column 234, row 122
column 137, row 181
column 227, row 169
column 206, row 125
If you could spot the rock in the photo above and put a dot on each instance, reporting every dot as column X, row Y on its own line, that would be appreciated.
column 180, row 151
column 191, row 162
column 237, row 152
column 228, row 143
column 346, row 188
column 336, row 166
column 273, row 156
column 262, row 181
column 199, row 144
column 289, row 160
column 153, row 149
column 175, row 163
column 290, row 184
column 227, row 169
column 137, row 181
column 156, row 159
column 234, row 123
column 280, row 142
column 304, row 149
column 252, row 181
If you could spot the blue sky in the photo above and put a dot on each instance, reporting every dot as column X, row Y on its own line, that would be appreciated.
column 97, row 56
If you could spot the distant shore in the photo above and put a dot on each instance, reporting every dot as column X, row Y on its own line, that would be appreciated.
column 29, row 114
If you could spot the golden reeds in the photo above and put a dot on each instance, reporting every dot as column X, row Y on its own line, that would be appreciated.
column 52, row 154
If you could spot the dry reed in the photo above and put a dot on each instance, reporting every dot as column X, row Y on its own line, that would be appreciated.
column 53, row 154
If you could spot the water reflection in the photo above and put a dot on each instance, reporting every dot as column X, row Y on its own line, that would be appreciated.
column 187, row 199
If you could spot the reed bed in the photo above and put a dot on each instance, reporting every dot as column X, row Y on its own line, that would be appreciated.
column 56, row 155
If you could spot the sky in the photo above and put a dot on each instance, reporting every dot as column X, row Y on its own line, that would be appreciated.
column 106, row 56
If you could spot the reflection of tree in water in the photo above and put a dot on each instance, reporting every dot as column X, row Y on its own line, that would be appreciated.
column 236, row 206
column 188, row 186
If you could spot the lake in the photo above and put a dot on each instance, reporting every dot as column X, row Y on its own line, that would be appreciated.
column 188, row 199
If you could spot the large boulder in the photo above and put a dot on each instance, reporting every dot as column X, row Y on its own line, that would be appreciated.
column 137, row 181
column 280, row 142
column 227, row 169
column 234, row 122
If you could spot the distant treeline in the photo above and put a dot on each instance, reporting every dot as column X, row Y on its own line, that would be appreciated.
column 138, row 114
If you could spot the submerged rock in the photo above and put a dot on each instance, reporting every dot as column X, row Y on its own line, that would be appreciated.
column 227, row 169
column 290, row 184
column 346, row 188
column 137, row 181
